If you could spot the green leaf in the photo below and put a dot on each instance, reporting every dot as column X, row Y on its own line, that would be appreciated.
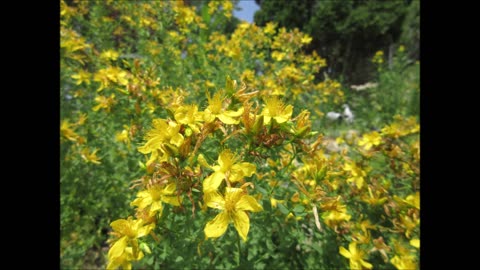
column 283, row 209
column 299, row 209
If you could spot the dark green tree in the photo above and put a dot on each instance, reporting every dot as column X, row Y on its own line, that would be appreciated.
column 347, row 33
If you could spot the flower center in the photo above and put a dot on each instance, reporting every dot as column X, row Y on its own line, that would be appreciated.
column 274, row 106
column 229, row 206
column 156, row 193
column 215, row 104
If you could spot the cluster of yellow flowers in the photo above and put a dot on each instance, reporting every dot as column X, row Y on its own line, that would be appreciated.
column 172, row 142
column 238, row 152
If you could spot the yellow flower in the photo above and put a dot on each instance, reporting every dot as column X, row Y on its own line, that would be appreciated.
column 162, row 134
column 212, row 7
column 125, row 247
column 90, row 157
column 123, row 136
column 125, row 259
column 357, row 174
column 278, row 56
column 131, row 228
column 189, row 115
column 332, row 218
column 229, row 169
column 154, row 197
column 404, row 262
column 415, row 242
column 104, row 102
column 274, row 108
column 404, row 257
column 110, row 75
column 270, row 28
column 306, row 39
column 378, row 58
column 335, row 212
column 81, row 119
column 408, row 224
column 274, row 202
column 373, row 198
column 412, row 200
column 227, row 7
column 370, row 139
column 109, row 55
column 233, row 207
column 82, row 77
column 215, row 110
column 67, row 131
column 355, row 256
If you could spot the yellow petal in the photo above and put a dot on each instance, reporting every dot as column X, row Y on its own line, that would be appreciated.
column 242, row 223
column 213, row 181
column 144, row 230
column 160, row 124
column 153, row 157
column 127, row 265
column 155, row 206
column 247, row 168
column 173, row 200
column 208, row 116
column 355, row 265
column 366, row 264
column 415, row 242
column 202, row 161
column 248, row 203
column 266, row 119
column 113, row 264
column 352, row 247
column 225, row 159
column 119, row 225
column 234, row 113
column 241, row 170
column 141, row 202
column 139, row 256
column 177, row 140
column 227, row 119
column 118, row 248
column 285, row 116
column 151, row 145
column 345, row 253
column 170, row 189
column 359, row 182
column 217, row 227
column 214, row 200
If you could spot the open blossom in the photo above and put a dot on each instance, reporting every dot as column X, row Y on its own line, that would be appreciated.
column 153, row 197
column 274, row 108
column 215, row 110
column 370, row 139
column 90, row 157
column 104, row 103
column 67, row 131
column 125, row 248
column 233, row 208
column 162, row 133
column 190, row 116
column 355, row 256
column 228, row 168
column 357, row 174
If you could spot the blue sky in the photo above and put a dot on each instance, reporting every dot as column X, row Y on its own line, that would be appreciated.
column 248, row 9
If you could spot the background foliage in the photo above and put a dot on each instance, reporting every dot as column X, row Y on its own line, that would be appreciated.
column 348, row 33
